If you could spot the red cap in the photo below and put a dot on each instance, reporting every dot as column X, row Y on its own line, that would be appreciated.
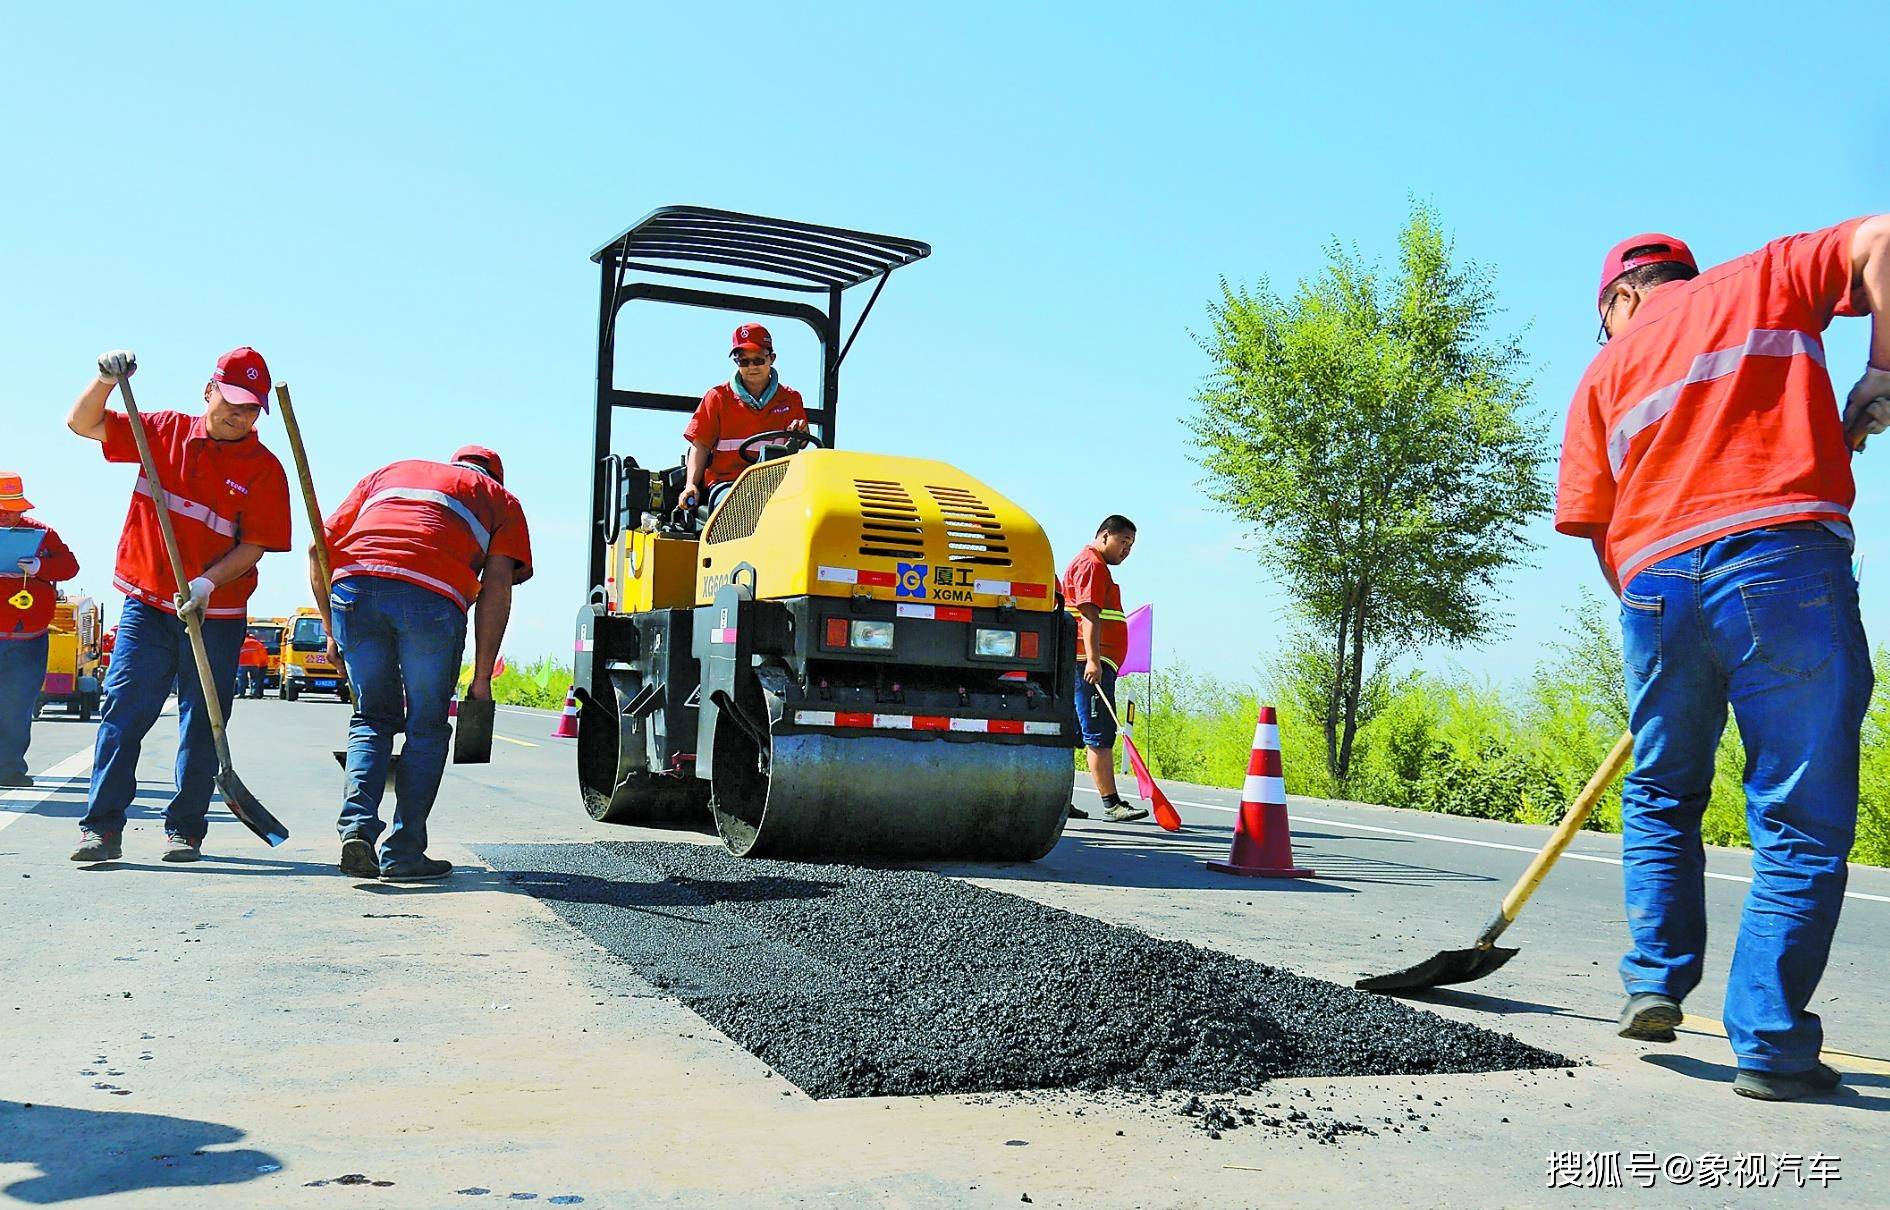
column 243, row 377
column 489, row 457
column 1668, row 248
column 752, row 336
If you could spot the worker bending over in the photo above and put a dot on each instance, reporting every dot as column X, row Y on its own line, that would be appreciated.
column 27, row 597
column 229, row 502
column 1102, row 642
column 413, row 546
column 1706, row 459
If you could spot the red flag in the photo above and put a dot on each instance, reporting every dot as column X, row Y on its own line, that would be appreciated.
column 1145, row 787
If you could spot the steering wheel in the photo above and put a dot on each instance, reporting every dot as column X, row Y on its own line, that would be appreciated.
column 750, row 450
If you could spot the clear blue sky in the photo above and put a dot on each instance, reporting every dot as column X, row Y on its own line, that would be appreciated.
column 396, row 205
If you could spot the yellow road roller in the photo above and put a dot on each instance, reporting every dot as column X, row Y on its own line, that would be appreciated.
column 852, row 656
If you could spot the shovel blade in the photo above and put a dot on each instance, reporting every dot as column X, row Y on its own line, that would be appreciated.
column 1449, row 966
column 248, row 809
column 472, row 732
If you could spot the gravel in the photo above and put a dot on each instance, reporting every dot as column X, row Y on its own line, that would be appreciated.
column 853, row 981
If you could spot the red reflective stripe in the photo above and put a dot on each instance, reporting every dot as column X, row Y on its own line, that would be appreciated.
column 852, row 718
column 878, row 579
column 931, row 722
column 1030, row 590
column 953, row 613
column 1006, row 726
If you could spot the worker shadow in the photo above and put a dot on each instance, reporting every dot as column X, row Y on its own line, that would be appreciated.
column 219, row 864
column 83, row 1153
column 1846, row 1095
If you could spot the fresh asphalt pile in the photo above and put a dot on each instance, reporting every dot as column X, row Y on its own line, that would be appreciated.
column 854, row 981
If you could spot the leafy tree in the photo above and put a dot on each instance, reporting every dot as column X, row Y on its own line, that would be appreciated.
column 1369, row 429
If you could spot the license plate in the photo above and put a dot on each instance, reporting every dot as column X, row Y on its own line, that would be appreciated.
column 323, row 684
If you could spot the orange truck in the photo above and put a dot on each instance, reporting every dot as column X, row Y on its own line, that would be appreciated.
column 73, row 670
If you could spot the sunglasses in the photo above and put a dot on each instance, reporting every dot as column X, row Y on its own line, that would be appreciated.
column 750, row 362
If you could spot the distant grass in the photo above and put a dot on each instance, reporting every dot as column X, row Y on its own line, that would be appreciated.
column 542, row 684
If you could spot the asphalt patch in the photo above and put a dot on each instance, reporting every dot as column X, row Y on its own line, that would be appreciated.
column 853, row 981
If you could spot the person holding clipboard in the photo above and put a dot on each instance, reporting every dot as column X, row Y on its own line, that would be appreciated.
column 32, row 560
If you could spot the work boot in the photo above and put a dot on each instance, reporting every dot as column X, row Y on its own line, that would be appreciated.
column 420, row 870
column 1650, row 1017
column 1119, row 811
column 97, row 846
column 1785, row 1086
column 358, row 860
column 1077, row 812
column 20, row 780
column 177, row 848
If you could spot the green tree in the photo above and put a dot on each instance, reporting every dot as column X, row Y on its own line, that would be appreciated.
column 1370, row 430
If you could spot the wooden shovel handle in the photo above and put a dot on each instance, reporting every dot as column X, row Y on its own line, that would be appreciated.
column 302, row 473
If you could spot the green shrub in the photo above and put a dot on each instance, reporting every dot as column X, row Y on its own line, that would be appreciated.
column 542, row 684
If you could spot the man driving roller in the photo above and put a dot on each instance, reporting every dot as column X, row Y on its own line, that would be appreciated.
column 752, row 402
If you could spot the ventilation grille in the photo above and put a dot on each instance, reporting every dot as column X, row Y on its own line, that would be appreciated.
column 889, row 521
column 972, row 532
column 740, row 513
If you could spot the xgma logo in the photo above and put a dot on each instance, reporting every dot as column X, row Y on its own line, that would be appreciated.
column 912, row 579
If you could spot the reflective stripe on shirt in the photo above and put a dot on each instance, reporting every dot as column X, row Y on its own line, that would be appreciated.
column 202, row 514
column 428, row 496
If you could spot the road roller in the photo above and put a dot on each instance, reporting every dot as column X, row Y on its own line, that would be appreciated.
column 851, row 656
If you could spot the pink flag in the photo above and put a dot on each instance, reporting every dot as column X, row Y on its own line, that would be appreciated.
column 1141, row 657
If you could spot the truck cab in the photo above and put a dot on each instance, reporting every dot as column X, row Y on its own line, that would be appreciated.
column 305, row 666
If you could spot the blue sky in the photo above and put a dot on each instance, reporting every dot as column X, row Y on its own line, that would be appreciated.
column 396, row 205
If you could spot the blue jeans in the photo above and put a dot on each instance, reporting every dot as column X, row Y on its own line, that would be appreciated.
column 22, row 672
column 396, row 638
column 1766, row 621
column 1094, row 722
column 151, row 657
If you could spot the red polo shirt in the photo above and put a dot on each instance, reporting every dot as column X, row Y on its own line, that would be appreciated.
column 56, row 562
column 222, row 493
column 722, row 422
column 1711, row 413
column 429, row 523
column 1088, row 581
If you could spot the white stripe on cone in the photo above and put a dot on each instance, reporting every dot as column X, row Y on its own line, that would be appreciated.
column 1267, row 736
column 1262, row 789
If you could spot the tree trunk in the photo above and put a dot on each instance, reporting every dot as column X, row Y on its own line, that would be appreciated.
column 1335, row 695
column 1355, row 681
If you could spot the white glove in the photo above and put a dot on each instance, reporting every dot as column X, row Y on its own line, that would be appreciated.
column 117, row 365
column 1867, row 409
column 197, row 594
column 30, row 566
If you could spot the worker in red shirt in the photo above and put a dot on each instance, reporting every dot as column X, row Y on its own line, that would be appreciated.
column 1102, row 641
column 27, row 597
column 752, row 402
column 229, row 502
column 412, row 548
column 252, row 667
column 1707, row 461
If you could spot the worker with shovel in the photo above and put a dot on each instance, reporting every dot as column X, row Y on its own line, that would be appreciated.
column 228, row 504
column 410, row 550
column 1102, row 640
column 1707, row 461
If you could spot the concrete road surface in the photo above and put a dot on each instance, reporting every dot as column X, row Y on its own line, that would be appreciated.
column 249, row 1030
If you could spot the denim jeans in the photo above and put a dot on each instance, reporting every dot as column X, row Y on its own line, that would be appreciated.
column 1094, row 721
column 151, row 657
column 22, row 672
column 396, row 638
column 1767, row 622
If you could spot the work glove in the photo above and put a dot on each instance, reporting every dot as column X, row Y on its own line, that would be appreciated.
column 117, row 365
column 30, row 566
column 1867, row 409
column 197, row 595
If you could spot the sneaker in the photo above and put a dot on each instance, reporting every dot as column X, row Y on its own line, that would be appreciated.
column 1077, row 812
column 421, row 870
column 1650, row 1017
column 19, row 780
column 176, row 848
column 1785, row 1086
column 1121, row 812
column 96, row 846
column 358, row 860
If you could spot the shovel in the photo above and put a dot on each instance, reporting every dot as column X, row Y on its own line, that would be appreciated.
column 1484, row 955
column 236, row 795
column 472, row 732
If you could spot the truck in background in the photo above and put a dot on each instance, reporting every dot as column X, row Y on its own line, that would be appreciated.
column 73, row 668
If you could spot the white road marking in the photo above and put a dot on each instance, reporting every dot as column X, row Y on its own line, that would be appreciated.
column 1480, row 844
column 24, row 801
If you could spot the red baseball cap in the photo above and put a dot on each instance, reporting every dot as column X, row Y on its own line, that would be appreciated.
column 752, row 336
column 489, row 457
column 243, row 377
column 1665, row 249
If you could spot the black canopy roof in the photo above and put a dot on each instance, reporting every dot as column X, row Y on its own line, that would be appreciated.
column 775, row 253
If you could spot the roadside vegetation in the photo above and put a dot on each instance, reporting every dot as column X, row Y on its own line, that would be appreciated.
column 1463, row 745
column 541, row 683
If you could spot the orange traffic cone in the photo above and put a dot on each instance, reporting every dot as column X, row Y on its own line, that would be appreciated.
column 1263, row 841
column 567, row 722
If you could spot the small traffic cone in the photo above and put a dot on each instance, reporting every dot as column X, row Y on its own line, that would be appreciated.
column 567, row 722
column 1263, row 840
